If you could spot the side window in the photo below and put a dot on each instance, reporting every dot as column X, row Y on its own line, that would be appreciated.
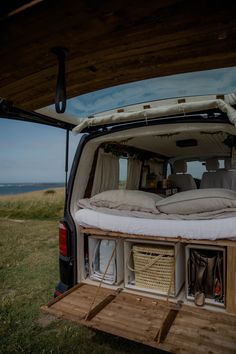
column 222, row 164
column 168, row 170
column 196, row 168
column 123, row 173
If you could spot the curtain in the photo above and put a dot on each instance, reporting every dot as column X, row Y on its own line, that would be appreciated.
column 134, row 173
column 157, row 168
column 106, row 174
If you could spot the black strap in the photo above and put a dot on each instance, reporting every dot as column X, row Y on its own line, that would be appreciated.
column 60, row 99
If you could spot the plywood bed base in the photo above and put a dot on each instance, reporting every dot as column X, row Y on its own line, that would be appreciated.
column 230, row 246
column 112, row 234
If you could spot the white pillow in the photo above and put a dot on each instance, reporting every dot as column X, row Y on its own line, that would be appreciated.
column 132, row 200
column 198, row 201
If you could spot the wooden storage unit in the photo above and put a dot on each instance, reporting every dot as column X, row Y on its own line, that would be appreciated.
column 214, row 251
column 116, row 262
column 156, row 267
column 228, row 245
column 169, row 325
column 231, row 280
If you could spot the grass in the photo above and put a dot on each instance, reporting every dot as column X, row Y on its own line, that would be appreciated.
column 40, row 205
column 28, row 275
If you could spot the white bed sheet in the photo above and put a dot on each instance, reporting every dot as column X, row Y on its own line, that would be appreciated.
column 192, row 229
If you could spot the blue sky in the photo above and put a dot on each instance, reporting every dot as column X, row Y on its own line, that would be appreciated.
column 36, row 153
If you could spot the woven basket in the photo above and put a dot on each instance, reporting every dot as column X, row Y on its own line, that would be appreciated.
column 154, row 267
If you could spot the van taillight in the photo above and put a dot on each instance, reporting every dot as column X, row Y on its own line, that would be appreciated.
column 63, row 234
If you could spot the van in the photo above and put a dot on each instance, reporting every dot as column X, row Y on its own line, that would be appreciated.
column 148, row 238
column 147, row 242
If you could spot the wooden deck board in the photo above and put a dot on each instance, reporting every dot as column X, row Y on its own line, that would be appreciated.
column 204, row 331
column 139, row 318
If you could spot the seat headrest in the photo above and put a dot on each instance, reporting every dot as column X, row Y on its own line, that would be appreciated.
column 227, row 163
column 212, row 164
column 180, row 166
column 233, row 158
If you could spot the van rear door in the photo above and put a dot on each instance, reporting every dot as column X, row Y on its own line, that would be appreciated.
column 161, row 324
column 9, row 111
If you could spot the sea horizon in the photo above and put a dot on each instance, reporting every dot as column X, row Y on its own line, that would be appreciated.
column 13, row 188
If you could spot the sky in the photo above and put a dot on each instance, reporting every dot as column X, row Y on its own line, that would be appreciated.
column 32, row 152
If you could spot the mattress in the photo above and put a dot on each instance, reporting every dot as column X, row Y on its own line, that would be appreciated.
column 192, row 229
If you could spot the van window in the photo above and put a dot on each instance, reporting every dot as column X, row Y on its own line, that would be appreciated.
column 123, row 173
column 168, row 170
column 197, row 168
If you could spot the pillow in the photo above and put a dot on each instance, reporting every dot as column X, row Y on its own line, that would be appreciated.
column 132, row 200
column 198, row 201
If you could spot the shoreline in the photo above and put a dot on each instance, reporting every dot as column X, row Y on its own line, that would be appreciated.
column 13, row 189
column 33, row 194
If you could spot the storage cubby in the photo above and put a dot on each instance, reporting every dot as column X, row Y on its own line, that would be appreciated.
column 161, row 268
column 156, row 267
column 100, row 251
column 206, row 274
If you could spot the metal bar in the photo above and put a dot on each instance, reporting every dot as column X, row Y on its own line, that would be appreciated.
column 66, row 164
column 8, row 111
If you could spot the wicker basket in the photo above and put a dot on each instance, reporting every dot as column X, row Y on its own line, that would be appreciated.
column 154, row 267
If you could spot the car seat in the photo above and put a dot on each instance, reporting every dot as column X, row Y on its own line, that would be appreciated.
column 180, row 178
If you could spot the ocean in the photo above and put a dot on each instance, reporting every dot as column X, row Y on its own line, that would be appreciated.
column 18, row 188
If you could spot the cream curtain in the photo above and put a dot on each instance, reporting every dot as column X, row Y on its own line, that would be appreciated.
column 157, row 168
column 134, row 172
column 106, row 174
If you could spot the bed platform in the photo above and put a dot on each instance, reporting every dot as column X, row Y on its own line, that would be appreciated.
column 210, row 229
column 113, row 234
column 173, row 324
column 228, row 245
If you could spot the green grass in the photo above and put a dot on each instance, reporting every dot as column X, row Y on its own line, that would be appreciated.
column 40, row 205
column 28, row 275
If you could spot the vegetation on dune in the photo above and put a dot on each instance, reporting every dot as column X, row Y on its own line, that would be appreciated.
column 35, row 205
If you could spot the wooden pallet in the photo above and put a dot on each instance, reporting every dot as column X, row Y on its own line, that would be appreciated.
column 172, row 327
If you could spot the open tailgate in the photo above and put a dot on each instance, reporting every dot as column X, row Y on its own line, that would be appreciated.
column 157, row 323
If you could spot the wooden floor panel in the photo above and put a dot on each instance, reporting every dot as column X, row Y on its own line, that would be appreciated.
column 139, row 318
column 204, row 332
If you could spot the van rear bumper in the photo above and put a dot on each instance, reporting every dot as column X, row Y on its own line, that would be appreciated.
column 61, row 288
column 66, row 276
